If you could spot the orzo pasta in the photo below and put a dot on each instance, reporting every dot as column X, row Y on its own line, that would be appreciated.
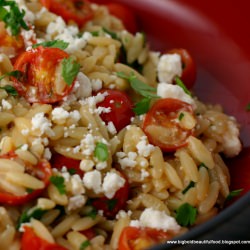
column 101, row 141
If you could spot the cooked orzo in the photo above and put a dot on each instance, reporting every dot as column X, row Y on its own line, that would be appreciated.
column 103, row 145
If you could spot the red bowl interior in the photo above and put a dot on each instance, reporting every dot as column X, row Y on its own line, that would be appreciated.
column 216, row 33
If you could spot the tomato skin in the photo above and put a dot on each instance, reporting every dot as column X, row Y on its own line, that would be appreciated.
column 58, row 161
column 121, row 108
column 78, row 11
column 163, row 114
column 30, row 241
column 39, row 71
column 42, row 167
column 188, row 69
column 120, row 198
column 133, row 238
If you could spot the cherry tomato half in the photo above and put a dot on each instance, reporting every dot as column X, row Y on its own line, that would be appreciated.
column 188, row 67
column 121, row 108
column 30, row 241
column 58, row 161
column 111, row 207
column 134, row 238
column 78, row 11
column 42, row 79
column 42, row 171
column 161, row 124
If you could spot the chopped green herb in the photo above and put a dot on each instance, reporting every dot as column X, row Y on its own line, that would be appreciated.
column 12, row 16
column 95, row 33
column 111, row 204
column 72, row 171
column 186, row 215
column 101, row 151
column 180, row 83
column 93, row 213
column 190, row 185
column 60, row 44
column 143, row 106
column 233, row 194
column 85, row 244
column 10, row 90
column 28, row 214
column 16, row 73
column 111, row 33
column 202, row 165
column 29, row 190
column 248, row 107
column 58, row 181
column 181, row 116
column 70, row 70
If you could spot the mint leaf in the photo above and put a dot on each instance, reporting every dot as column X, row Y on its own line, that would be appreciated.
column 186, row 215
column 58, row 181
column 101, row 151
column 70, row 70
column 60, row 44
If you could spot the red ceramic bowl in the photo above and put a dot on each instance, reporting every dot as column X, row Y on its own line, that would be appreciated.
column 217, row 34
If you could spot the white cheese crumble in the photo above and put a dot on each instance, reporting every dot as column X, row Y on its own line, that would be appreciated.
column 156, row 219
column 169, row 66
column 76, row 201
column 6, row 105
column 111, row 128
column 166, row 90
column 59, row 115
column 144, row 148
column 93, row 181
column 41, row 123
column 128, row 160
column 111, row 183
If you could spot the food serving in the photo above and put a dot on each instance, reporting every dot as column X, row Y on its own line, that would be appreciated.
column 104, row 145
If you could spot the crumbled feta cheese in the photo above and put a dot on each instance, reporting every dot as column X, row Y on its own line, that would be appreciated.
column 59, row 115
column 24, row 147
column 25, row 131
column 101, row 165
column 76, row 185
column 144, row 174
column 96, row 84
column 111, row 183
column 6, row 105
column 166, row 90
column 47, row 154
column 169, row 66
column 76, row 202
column 156, row 219
column 41, row 123
column 93, row 180
column 127, row 161
column 111, row 128
column 144, row 148
column 86, row 165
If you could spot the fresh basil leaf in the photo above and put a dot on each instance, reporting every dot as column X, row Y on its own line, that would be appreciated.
column 85, row 244
column 58, row 181
column 70, row 70
column 233, row 194
column 143, row 106
column 180, row 83
column 60, row 44
column 10, row 90
column 190, row 185
column 28, row 214
column 186, row 215
column 12, row 17
column 101, row 151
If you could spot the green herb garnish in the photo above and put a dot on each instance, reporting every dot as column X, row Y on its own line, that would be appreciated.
column 72, row 171
column 180, row 83
column 111, row 33
column 181, row 116
column 60, row 44
column 233, row 194
column 58, row 181
column 70, row 70
column 85, row 244
column 93, row 213
column 248, row 107
column 12, row 16
column 10, row 90
column 16, row 73
column 111, row 204
column 190, row 185
column 101, row 151
column 186, row 215
column 202, row 165
column 143, row 106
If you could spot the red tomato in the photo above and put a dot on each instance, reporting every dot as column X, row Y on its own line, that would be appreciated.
column 125, row 14
column 134, row 238
column 42, row 79
column 89, row 233
column 162, row 127
column 10, row 45
column 188, row 67
column 30, row 241
column 58, row 161
column 78, row 11
column 111, row 207
column 42, row 170
column 120, row 106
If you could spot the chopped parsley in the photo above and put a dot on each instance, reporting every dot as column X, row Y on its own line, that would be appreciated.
column 70, row 70
column 60, row 44
column 101, row 151
column 202, row 165
column 111, row 204
column 186, row 215
column 58, row 181
column 93, row 213
column 180, row 83
column 10, row 90
column 72, row 171
column 233, row 194
column 148, row 92
column 85, row 244
column 190, row 185
column 12, row 17
column 16, row 73
column 111, row 33
column 181, row 116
